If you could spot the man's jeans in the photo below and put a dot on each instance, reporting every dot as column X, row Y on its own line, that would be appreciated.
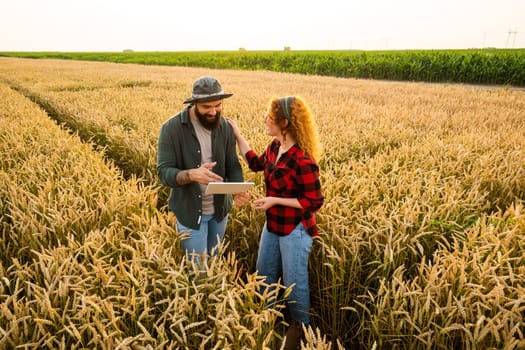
column 202, row 242
column 287, row 256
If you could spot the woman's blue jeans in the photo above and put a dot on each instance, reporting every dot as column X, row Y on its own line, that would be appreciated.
column 202, row 242
column 287, row 257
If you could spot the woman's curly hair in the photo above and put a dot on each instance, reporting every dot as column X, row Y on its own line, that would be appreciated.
column 301, row 125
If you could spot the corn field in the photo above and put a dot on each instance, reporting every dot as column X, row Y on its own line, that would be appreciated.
column 421, row 236
column 473, row 66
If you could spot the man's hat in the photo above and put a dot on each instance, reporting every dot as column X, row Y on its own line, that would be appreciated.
column 206, row 89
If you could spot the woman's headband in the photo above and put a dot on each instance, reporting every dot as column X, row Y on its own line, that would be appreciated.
column 286, row 106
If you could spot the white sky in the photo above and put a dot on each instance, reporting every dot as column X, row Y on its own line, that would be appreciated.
column 191, row 25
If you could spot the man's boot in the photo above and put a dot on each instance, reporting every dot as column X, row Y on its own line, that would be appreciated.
column 294, row 334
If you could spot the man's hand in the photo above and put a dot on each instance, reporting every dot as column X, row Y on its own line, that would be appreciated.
column 204, row 175
column 241, row 198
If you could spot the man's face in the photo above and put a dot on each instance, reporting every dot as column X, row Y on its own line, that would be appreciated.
column 209, row 113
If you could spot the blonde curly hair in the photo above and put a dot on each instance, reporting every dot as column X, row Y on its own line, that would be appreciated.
column 301, row 125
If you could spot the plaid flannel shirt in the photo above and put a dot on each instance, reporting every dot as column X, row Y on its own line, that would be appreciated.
column 294, row 176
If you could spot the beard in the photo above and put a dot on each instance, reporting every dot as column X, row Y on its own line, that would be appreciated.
column 205, row 120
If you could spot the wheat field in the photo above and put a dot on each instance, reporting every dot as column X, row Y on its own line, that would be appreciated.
column 420, row 236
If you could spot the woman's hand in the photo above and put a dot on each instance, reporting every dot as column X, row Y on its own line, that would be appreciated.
column 235, row 127
column 265, row 203
column 241, row 141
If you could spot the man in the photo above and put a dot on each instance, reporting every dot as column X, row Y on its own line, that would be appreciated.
column 195, row 147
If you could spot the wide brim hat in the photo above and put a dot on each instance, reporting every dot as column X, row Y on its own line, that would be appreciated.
column 206, row 89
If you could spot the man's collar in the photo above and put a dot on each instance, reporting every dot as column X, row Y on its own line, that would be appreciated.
column 185, row 115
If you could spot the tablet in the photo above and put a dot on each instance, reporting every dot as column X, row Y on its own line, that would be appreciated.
column 227, row 187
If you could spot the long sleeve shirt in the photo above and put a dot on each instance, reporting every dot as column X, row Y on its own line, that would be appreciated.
column 294, row 175
column 179, row 149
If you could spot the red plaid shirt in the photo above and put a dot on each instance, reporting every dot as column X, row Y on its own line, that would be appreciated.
column 294, row 176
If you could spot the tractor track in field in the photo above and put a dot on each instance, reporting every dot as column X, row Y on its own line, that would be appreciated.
column 63, row 119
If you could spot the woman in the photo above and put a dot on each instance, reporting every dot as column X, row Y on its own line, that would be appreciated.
column 293, row 195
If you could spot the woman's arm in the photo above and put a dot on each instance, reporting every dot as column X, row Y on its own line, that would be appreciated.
column 244, row 147
column 268, row 202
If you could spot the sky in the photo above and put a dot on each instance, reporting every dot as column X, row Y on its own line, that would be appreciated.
column 204, row 25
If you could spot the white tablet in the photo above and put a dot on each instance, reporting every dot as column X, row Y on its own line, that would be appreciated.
column 228, row 187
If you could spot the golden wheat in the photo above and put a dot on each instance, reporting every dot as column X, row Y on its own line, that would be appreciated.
column 90, row 262
column 421, row 230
